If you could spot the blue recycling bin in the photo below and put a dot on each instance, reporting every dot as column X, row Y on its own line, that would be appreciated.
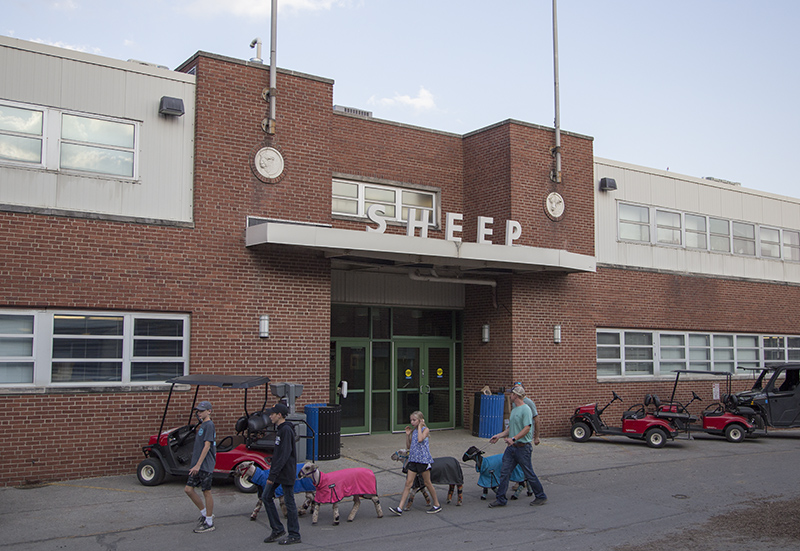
column 491, row 415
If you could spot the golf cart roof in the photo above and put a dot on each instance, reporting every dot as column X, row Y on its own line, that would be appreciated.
column 699, row 372
column 222, row 381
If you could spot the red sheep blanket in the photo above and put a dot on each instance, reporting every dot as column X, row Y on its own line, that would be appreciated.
column 347, row 482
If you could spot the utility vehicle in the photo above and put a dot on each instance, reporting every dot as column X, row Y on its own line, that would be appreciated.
column 774, row 399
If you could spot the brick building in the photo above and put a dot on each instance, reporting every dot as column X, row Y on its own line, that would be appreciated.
column 149, row 223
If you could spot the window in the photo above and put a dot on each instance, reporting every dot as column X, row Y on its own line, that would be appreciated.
column 634, row 223
column 791, row 245
column 57, row 348
column 355, row 198
column 744, row 238
column 696, row 231
column 673, row 352
column 720, row 235
column 96, row 145
column 58, row 140
column 21, row 134
column 668, row 227
column 774, row 349
column 609, row 356
column 747, row 351
column 16, row 349
column 639, row 353
column 770, row 242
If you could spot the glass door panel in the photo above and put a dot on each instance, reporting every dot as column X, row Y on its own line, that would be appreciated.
column 438, row 387
column 351, row 366
column 408, row 368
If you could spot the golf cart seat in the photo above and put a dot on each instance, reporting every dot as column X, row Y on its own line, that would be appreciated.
column 635, row 412
column 261, row 432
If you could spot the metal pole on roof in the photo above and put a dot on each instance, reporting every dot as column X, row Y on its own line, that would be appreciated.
column 556, row 175
column 273, row 39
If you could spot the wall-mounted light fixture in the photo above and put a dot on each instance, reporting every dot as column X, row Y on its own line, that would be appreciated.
column 557, row 334
column 485, row 333
column 263, row 326
column 171, row 107
column 608, row 184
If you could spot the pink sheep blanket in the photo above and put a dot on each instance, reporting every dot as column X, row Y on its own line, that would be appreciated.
column 347, row 482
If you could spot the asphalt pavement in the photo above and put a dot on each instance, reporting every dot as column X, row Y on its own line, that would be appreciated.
column 603, row 493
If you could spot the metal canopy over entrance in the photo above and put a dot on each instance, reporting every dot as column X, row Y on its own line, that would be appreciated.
column 390, row 250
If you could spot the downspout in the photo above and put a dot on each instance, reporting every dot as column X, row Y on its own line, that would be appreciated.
column 415, row 275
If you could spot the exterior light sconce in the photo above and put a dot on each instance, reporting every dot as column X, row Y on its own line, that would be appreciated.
column 485, row 333
column 171, row 107
column 608, row 184
column 557, row 334
column 263, row 327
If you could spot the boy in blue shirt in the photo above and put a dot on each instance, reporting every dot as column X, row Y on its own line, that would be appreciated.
column 204, row 458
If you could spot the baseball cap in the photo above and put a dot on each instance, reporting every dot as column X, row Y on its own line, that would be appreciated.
column 519, row 391
column 279, row 408
column 205, row 405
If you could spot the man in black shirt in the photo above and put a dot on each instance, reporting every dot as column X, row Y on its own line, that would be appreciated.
column 283, row 471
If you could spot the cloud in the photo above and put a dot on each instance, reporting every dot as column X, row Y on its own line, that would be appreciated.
column 65, row 5
column 422, row 102
column 59, row 44
column 260, row 9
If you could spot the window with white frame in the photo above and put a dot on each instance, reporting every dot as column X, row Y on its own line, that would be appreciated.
column 668, row 227
column 636, row 353
column 60, row 140
column 21, row 134
column 770, row 242
column 352, row 198
column 634, row 223
column 46, row 348
column 696, row 236
column 694, row 231
column 744, row 238
column 720, row 235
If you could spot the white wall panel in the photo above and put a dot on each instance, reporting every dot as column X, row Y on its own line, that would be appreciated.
column 393, row 290
column 72, row 81
column 662, row 189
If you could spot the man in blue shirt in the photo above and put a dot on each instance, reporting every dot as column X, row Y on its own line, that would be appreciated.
column 518, row 437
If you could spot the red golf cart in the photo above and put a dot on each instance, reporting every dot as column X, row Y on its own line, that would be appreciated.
column 169, row 452
column 637, row 423
column 715, row 419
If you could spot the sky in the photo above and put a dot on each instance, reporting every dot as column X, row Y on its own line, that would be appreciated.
column 706, row 88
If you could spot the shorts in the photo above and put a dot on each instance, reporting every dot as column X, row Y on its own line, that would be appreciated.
column 202, row 480
column 415, row 467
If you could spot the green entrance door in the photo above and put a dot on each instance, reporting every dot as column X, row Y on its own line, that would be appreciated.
column 423, row 381
column 349, row 363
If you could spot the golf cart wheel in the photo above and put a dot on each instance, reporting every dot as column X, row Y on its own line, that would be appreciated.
column 655, row 438
column 244, row 486
column 734, row 432
column 150, row 472
column 580, row 432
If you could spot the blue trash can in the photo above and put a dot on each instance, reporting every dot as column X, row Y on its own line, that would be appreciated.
column 491, row 415
column 312, row 418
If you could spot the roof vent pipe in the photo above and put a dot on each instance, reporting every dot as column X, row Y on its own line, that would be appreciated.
column 415, row 275
column 256, row 43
